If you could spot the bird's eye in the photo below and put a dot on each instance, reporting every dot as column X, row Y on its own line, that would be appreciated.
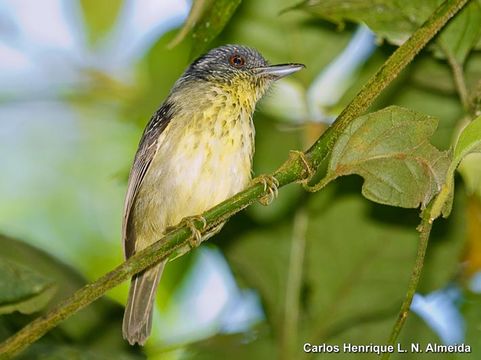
column 237, row 61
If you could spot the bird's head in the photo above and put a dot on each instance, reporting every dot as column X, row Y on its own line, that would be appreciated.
column 237, row 70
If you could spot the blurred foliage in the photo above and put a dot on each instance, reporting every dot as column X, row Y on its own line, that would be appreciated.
column 357, row 255
column 22, row 289
column 396, row 20
column 93, row 333
column 207, row 18
column 100, row 17
column 371, row 259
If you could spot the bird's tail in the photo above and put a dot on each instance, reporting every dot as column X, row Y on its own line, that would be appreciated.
column 137, row 322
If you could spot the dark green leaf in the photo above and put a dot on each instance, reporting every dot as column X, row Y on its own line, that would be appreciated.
column 261, row 258
column 462, row 33
column 232, row 347
column 391, row 19
column 213, row 20
column 23, row 289
column 390, row 149
column 396, row 20
column 197, row 10
column 75, row 352
column 358, row 264
column 103, row 318
column 100, row 17
column 358, row 259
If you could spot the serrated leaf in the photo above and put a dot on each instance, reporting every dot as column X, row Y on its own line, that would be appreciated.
column 214, row 18
column 22, row 289
column 469, row 142
column 390, row 149
column 99, row 17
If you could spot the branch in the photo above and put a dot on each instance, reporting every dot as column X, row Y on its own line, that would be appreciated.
column 295, row 169
column 424, row 232
column 385, row 75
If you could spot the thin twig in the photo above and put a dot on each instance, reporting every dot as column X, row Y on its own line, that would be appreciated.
column 292, row 170
column 293, row 287
column 458, row 75
column 424, row 232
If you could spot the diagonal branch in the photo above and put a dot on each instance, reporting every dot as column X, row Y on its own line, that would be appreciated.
column 295, row 169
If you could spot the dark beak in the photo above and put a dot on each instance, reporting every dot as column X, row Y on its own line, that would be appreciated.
column 279, row 71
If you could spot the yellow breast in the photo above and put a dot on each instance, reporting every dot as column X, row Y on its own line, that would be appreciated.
column 204, row 157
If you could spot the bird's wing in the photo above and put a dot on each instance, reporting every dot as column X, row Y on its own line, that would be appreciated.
column 143, row 158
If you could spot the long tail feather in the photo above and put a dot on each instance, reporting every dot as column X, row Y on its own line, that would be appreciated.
column 137, row 322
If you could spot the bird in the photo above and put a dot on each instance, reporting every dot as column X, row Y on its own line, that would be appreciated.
column 195, row 152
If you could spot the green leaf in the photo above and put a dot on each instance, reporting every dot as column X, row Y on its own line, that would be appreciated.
column 214, row 18
column 390, row 149
column 394, row 20
column 75, row 332
column 23, row 289
column 462, row 33
column 99, row 17
column 469, row 141
column 358, row 262
column 470, row 170
column 78, row 351
column 197, row 10
column 253, row 254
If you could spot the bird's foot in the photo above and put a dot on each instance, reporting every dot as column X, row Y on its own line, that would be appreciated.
column 196, row 239
column 271, row 184
column 307, row 167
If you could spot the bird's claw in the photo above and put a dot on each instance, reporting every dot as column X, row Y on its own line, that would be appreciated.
column 196, row 239
column 271, row 184
column 307, row 166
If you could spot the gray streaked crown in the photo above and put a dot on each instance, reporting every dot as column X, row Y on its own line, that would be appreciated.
column 218, row 62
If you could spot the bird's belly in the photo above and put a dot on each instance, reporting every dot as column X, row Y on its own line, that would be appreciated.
column 189, row 176
column 203, row 178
